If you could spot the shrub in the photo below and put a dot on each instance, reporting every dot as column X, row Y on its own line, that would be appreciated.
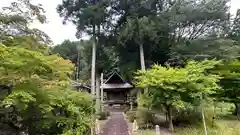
column 187, row 116
column 192, row 115
column 144, row 118
column 107, row 113
column 126, row 109
column 210, row 117
column 131, row 115
column 103, row 115
column 159, row 119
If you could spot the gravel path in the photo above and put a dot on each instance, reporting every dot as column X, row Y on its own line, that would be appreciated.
column 116, row 125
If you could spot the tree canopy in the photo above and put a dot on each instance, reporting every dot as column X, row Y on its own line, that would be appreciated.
column 171, row 87
column 36, row 95
column 190, row 49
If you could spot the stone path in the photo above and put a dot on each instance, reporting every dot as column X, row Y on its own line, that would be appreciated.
column 116, row 125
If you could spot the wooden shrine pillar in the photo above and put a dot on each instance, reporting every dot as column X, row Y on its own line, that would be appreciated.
column 102, row 106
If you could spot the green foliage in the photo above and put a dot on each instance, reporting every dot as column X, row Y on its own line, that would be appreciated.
column 230, row 80
column 138, row 29
column 235, row 31
column 157, row 25
column 27, row 10
column 177, row 85
column 126, row 109
column 41, row 98
column 230, row 83
column 131, row 115
column 210, row 47
column 84, row 14
column 103, row 115
column 224, row 130
column 160, row 26
column 77, row 53
column 26, row 69
column 14, row 20
column 68, row 50
column 173, row 87
column 189, row 115
column 16, row 61
column 144, row 118
column 27, row 42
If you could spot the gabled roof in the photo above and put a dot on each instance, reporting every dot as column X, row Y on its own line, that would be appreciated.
column 107, row 84
column 115, row 73
column 110, row 85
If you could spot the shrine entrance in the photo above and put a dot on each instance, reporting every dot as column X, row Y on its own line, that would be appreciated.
column 116, row 91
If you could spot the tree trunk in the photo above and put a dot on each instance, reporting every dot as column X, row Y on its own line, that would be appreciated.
column 139, row 41
column 78, row 65
column 169, row 113
column 31, row 128
column 204, row 122
column 93, row 63
column 93, row 77
column 30, row 120
column 166, row 116
column 237, row 109
column 142, row 60
column 102, row 107
column 214, row 115
column 98, row 94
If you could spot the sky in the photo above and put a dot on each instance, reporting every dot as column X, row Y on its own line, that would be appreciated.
column 54, row 27
column 59, row 32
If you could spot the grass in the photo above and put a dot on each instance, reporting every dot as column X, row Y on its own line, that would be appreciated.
column 150, row 132
column 225, row 127
column 219, row 131
column 227, row 124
